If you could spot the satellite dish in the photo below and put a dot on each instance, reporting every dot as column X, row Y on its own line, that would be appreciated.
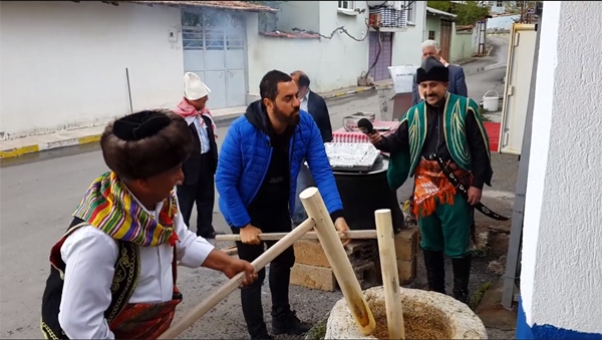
column 375, row 3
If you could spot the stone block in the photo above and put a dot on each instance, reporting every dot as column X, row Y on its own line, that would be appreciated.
column 360, row 251
column 313, row 277
column 406, row 244
column 310, row 252
column 406, row 271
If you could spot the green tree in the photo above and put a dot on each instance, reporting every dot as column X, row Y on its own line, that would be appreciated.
column 467, row 13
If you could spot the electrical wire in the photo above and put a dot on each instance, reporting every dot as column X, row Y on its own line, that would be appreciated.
column 343, row 30
column 340, row 29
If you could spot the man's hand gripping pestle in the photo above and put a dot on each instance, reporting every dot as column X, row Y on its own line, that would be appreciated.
column 234, row 283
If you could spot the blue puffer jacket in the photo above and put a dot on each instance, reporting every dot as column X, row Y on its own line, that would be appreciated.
column 245, row 157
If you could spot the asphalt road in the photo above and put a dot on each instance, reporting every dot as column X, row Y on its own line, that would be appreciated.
column 37, row 198
column 488, row 73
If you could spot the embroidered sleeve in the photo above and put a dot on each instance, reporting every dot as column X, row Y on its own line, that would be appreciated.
column 478, row 151
column 396, row 141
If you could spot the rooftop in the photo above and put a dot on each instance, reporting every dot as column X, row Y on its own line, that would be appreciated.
column 231, row 5
column 433, row 11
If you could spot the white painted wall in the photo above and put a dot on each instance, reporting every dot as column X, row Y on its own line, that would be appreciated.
column 406, row 45
column 330, row 64
column 63, row 63
column 562, row 245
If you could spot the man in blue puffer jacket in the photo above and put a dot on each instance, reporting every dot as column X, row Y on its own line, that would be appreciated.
column 256, row 179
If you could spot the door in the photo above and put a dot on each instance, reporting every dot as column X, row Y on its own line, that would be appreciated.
column 523, row 38
column 380, row 55
column 446, row 29
column 215, row 51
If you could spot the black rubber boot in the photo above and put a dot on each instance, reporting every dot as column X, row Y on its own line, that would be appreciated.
column 435, row 270
column 262, row 336
column 461, row 269
column 288, row 323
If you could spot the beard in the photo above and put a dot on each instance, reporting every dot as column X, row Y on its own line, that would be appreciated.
column 290, row 120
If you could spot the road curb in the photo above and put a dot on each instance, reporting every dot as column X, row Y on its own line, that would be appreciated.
column 95, row 138
column 35, row 148
column 348, row 92
column 226, row 118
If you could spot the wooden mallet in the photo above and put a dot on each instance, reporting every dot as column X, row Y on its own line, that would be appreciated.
column 233, row 284
column 341, row 266
column 388, row 267
column 351, row 234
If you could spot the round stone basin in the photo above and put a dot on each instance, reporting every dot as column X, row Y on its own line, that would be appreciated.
column 427, row 315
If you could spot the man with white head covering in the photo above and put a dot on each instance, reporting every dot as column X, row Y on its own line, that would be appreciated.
column 199, row 169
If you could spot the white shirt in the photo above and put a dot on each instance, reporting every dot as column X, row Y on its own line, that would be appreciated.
column 304, row 102
column 90, row 255
column 201, row 129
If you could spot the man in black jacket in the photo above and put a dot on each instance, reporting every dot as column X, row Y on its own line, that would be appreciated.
column 315, row 105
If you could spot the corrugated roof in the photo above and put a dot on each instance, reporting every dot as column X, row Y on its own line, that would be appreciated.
column 438, row 12
column 232, row 5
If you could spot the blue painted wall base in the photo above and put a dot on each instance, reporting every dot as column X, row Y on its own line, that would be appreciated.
column 524, row 331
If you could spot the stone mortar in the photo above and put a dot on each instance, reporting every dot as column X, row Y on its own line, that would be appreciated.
column 435, row 312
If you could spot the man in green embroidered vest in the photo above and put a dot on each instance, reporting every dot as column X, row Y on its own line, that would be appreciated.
column 448, row 127
column 113, row 273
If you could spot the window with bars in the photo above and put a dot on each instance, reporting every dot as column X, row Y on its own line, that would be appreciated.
column 211, row 32
column 235, row 41
column 431, row 35
column 346, row 4
column 192, row 38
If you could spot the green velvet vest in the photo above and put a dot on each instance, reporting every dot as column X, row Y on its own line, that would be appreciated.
column 403, row 164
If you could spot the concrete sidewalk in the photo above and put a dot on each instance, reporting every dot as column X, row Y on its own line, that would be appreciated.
column 66, row 138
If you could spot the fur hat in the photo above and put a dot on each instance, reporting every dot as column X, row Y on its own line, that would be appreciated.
column 146, row 144
column 195, row 88
column 432, row 70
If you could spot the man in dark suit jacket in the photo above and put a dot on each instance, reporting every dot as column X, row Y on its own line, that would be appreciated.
column 315, row 105
column 457, row 80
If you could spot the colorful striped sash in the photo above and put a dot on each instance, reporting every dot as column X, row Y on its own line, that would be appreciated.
column 110, row 207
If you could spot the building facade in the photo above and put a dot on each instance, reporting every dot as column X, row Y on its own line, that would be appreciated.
column 86, row 63
column 562, row 239
column 69, row 65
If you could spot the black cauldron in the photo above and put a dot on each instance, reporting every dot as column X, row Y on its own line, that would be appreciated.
column 364, row 192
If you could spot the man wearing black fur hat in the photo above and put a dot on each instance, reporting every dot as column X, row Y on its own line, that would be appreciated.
column 113, row 273
column 438, row 139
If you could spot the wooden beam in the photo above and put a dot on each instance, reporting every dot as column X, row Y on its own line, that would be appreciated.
column 352, row 234
column 234, row 283
column 341, row 266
